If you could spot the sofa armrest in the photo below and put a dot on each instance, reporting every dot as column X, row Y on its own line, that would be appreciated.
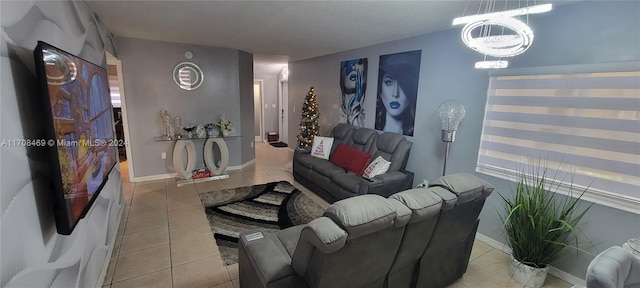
column 301, row 151
column 387, row 183
column 322, row 234
column 263, row 260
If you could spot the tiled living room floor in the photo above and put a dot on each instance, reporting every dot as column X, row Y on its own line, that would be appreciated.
column 164, row 239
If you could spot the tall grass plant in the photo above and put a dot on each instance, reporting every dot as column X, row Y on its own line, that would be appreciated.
column 540, row 224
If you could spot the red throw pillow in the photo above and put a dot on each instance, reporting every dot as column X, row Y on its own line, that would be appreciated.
column 340, row 157
column 358, row 161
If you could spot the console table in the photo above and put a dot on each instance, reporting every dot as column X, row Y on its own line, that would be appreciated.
column 184, row 170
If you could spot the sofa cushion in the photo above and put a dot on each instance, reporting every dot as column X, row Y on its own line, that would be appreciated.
column 376, row 167
column 394, row 148
column 305, row 159
column 340, row 157
column 362, row 215
column 341, row 134
column 349, row 181
column 327, row 168
column 321, row 147
column 358, row 161
column 364, row 140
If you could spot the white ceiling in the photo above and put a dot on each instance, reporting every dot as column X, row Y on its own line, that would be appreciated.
column 280, row 31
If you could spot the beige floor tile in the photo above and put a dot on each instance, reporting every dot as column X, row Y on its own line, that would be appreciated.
column 554, row 282
column 224, row 285
column 495, row 260
column 190, row 230
column 183, row 201
column 186, row 251
column 158, row 279
column 142, row 262
column 206, row 272
column 192, row 213
column 236, row 283
column 146, row 222
column 478, row 276
column 233, row 271
column 457, row 284
column 144, row 240
column 479, row 248
column 235, row 181
column 121, row 227
column 142, row 207
column 125, row 213
column 117, row 245
column 256, row 172
column 108, row 277
column 149, row 198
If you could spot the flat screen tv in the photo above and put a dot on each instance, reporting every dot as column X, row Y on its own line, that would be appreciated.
column 78, row 118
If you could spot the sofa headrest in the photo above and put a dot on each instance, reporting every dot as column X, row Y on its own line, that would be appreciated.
column 423, row 203
column 389, row 141
column 465, row 186
column 342, row 131
column 362, row 215
column 364, row 137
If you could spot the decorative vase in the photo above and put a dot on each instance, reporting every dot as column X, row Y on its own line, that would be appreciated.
column 526, row 275
column 225, row 133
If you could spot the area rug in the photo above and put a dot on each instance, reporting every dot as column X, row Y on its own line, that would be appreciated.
column 266, row 207
column 278, row 144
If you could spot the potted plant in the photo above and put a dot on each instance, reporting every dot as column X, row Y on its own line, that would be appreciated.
column 540, row 224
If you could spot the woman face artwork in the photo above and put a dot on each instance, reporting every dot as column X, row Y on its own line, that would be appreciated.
column 353, row 83
column 398, row 76
column 393, row 97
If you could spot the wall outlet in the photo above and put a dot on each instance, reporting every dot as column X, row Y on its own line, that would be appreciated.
column 163, row 155
column 251, row 144
column 424, row 184
column 273, row 106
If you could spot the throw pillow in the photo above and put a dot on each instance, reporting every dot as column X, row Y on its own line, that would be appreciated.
column 358, row 161
column 321, row 147
column 376, row 167
column 340, row 157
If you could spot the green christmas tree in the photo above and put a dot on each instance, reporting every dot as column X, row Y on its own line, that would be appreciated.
column 309, row 123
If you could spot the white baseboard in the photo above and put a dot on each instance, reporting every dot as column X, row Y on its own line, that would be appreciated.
column 552, row 270
column 154, row 177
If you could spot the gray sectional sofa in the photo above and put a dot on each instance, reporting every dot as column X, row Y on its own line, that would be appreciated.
column 416, row 238
column 334, row 183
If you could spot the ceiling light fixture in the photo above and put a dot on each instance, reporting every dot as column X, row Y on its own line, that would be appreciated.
column 479, row 35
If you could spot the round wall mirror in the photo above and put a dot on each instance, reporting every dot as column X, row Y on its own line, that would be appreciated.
column 188, row 76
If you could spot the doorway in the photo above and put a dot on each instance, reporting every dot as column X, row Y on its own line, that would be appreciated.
column 116, row 87
column 283, row 113
column 257, row 110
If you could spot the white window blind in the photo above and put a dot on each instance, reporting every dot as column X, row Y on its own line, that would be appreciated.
column 586, row 126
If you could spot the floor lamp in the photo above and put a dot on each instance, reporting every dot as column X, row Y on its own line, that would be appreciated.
column 451, row 113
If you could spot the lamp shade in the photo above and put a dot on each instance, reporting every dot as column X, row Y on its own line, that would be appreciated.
column 451, row 112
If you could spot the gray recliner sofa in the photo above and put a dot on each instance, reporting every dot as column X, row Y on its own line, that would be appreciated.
column 370, row 241
column 334, row 183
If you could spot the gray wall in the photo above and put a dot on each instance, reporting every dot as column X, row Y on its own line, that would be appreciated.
column 573, row 34
column 33, row 254
column 149, row 88
column 245, row 91
column 270, row 98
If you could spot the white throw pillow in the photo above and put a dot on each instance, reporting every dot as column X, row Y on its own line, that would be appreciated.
column 321, row 147
column 376, row 167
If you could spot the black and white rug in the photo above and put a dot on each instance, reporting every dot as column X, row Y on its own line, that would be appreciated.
column 266, row 207
column 278, row 144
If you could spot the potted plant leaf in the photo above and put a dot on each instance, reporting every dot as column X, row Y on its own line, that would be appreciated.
column 540, row 224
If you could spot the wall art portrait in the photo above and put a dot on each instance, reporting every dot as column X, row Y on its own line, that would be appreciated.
column 398, row 76
column 353, row 83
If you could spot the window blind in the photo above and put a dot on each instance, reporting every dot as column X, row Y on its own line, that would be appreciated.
column 585, row 125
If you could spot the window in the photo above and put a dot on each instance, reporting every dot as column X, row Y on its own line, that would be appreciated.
column 585, row 124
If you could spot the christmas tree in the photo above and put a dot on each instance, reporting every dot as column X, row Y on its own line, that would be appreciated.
column 309, row 123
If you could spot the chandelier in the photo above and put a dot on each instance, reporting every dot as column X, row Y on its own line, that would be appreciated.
column 498, row 34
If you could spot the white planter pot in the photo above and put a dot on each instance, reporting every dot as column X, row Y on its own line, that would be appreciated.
column 527, row 275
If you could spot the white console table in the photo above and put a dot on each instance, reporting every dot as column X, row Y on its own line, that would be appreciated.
column 184, row 170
